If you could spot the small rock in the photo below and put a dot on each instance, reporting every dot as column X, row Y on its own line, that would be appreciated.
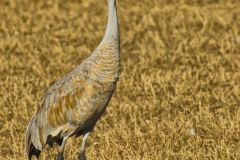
column 192, row 132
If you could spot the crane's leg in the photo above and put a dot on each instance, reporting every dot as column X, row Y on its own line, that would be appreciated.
column 68, row 131
column 83, row 146
column 61, row 151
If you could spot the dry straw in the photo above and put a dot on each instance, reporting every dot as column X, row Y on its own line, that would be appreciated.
column 179, row 92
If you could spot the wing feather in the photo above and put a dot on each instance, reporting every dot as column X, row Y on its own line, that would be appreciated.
column 55, row 111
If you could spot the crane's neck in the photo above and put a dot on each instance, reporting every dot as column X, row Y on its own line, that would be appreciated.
column 104, row 63
column 111, row 32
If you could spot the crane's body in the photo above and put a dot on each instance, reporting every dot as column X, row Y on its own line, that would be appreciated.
column 73, row 104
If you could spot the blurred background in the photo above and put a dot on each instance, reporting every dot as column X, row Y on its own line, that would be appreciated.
column 179, row 92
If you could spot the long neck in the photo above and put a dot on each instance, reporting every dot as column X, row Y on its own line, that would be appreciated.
column 104, row 62
column 112, row 25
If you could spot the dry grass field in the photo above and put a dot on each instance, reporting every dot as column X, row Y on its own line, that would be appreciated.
column 179, row 92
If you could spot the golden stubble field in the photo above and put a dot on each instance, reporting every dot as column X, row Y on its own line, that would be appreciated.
column 179, row 92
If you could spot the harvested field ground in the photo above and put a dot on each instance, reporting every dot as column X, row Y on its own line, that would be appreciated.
column 179, row 92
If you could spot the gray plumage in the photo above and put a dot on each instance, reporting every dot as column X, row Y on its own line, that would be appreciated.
column 73, row 104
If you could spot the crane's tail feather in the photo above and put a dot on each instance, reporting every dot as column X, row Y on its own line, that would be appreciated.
column 30, row 149
column 55, row 139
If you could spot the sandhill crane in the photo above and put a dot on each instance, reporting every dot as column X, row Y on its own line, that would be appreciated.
column 73, row 104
